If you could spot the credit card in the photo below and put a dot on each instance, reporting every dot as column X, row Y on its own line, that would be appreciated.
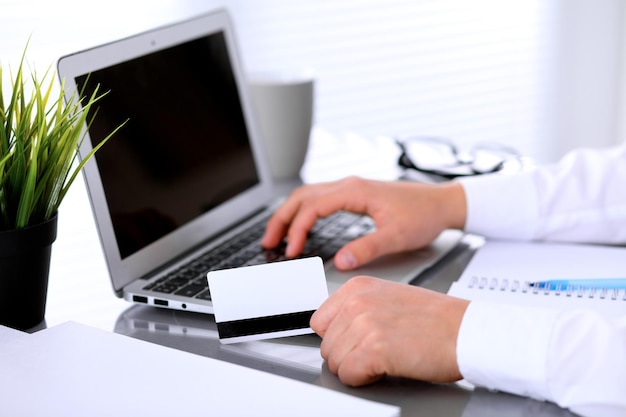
column 267, row 301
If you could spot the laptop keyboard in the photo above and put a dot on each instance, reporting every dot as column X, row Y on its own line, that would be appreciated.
column 325, row 239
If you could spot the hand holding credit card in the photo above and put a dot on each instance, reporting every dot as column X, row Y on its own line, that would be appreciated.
column 267, row 301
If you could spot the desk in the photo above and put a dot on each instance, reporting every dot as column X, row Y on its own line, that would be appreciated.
column 79, row 290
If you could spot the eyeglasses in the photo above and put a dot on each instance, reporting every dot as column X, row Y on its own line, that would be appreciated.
column 440, row 156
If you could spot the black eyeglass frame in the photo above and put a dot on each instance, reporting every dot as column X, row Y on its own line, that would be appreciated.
column 406, row 162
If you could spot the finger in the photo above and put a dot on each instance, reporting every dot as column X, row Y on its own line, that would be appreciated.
column 335, row 345
column 275, row 231
column 324, row 315
column 360, row 368
column 294, row 218
column 298, row 230
column 278, row 224
column 349, row 337
column 327, row 312
column 296, row 223
column 367, row 248
column 281, row 222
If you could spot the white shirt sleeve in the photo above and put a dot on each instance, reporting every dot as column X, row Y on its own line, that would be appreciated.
column 577, row 358
column 580, row 199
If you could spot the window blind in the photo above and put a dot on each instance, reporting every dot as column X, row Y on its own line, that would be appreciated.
column 471, row 71
column 541, row 75
column 479, row 71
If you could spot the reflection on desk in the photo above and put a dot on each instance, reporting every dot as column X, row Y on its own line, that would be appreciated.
column 298, row 358
column 80, row 290
column 294, row 357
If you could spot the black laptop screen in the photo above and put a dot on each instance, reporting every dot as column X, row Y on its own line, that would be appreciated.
column 185, row 148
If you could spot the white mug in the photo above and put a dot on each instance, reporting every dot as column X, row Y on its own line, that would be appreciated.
column 283, row 105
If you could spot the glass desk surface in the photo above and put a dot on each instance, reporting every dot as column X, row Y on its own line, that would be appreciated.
column 79, row 290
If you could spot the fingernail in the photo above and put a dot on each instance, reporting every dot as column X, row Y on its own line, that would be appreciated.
column 345, row 260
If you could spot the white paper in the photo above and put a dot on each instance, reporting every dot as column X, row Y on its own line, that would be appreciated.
column 75, row 370
column 535, row 261
column 8, row 334
column 504, row 267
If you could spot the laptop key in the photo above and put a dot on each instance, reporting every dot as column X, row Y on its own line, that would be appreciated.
column 166, row 288
column 179, row 281
column 190, row 290
column 204, row 295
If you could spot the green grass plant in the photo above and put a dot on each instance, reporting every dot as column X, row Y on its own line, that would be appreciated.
column 39, row 138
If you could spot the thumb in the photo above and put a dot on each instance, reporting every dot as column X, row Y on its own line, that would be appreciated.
column 363, row 250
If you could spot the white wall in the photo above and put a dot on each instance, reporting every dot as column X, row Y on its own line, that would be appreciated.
column 58, row 27
column 542, row 75
column 588, row 74
column 621, row 86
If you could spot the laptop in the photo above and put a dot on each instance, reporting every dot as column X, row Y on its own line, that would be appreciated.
column 184, row 185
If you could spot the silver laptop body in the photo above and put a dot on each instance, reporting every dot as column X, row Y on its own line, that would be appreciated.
column 187, row 171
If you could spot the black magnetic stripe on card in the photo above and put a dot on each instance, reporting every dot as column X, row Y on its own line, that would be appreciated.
column 268, row 324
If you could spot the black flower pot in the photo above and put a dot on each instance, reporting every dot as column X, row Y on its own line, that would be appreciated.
column 24, row 269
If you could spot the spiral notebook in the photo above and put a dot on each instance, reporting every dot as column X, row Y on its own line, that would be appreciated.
column 503, row 271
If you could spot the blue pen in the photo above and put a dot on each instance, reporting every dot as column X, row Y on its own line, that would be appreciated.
column 598, row 283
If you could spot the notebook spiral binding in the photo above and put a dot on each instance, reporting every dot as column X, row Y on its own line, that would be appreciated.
column 495, row 284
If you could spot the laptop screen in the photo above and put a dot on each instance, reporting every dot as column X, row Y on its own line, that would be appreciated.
column 185, row 148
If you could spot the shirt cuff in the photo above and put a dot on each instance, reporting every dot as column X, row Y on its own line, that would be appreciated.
column 489, row 196
column 506, row 347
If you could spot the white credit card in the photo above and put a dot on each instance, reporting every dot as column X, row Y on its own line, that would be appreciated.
column 267, row 301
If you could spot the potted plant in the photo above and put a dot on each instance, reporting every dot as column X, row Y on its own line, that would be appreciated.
column 39, row 139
